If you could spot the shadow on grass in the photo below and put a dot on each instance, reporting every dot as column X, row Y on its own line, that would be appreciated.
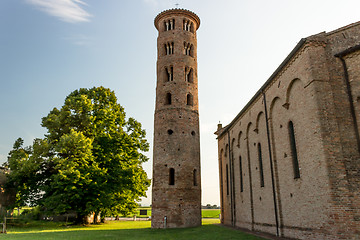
column 198, row 233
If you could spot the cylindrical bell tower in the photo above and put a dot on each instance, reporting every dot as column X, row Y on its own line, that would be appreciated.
column 176, row 191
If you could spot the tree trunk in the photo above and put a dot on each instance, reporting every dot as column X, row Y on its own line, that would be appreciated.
column 80, row 219
column 95, row 221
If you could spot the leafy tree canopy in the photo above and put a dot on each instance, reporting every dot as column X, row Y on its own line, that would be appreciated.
column 90, row 160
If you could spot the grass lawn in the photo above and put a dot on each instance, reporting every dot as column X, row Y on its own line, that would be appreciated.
column 122, row 230
column 210, row 213
column 205, row 213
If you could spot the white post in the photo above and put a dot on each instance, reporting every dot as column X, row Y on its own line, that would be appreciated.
column 4, row 225
column 167, row 49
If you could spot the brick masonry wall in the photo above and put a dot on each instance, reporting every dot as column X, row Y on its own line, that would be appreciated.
column 176, row 127
column 309, row 91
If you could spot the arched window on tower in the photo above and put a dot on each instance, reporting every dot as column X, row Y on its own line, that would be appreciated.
column 169, row 24
column 188, row 49
column 168, row 99
column 187, row 25
column 189, row 100
column 189, row 76
column 169, row 48
column 169, row 73
column 194, row 177
column 171, row 176
column 294, row 155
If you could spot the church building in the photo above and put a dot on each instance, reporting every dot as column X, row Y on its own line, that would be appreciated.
column 289, row 162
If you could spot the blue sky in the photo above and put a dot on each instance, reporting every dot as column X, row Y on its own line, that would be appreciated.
column 48, row 48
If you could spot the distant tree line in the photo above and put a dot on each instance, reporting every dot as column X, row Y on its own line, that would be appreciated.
column 209, row 206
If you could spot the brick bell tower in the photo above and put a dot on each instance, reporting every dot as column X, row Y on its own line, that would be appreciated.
column 176, row 191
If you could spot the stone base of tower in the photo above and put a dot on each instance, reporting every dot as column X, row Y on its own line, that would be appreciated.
column 176, row 208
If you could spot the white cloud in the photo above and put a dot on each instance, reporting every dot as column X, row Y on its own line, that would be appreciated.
column 66, row 10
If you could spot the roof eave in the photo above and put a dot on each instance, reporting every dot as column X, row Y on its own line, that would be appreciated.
column 262, row 89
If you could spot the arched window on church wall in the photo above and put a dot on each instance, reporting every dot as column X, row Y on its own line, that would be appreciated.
column 294, row 155
column 262, row 183
column 241, row 175
column 227, row 180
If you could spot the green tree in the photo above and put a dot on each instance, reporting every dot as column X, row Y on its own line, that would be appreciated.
column 23, row 175
column 89, row 161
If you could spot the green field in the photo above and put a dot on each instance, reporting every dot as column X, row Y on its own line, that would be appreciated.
column 143, row 208
column 121, row 230
column 210, row 213
column 205, row 213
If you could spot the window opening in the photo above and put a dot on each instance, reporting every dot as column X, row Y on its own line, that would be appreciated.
column 189, row 100
column 171, row 176
column 169, row 48
column 241, row 175
column 261, row 166
column 188, row 74
column 168, row 99
column 169, row 24
column 187, row 25
column 294, row 151
column 188, row 49
column 172, row 24
column 169, row 73
column 227, row 180
column 194, row 177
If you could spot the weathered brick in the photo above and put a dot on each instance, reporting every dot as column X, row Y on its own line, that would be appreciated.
column 176, row 124
column 309, row 89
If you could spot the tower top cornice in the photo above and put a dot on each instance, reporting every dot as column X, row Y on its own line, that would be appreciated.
column 177, row 11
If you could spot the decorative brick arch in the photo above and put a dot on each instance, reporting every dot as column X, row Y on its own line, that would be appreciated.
column 261, row 114
column 272, row 104
column 239, row 137
column 289, row 90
